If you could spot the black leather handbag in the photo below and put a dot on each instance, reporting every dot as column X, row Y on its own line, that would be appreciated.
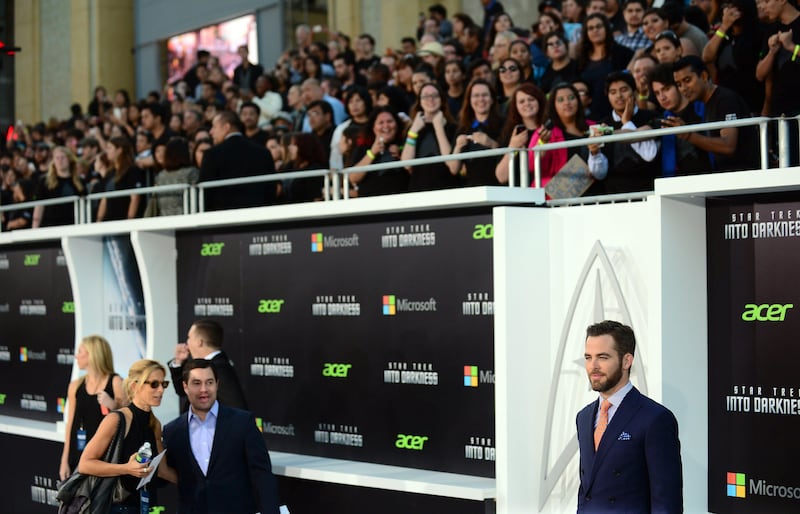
column 88, row 494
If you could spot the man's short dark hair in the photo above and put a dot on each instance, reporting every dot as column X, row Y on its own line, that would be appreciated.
column 619, row 76
column 348, row 59
column 643, row 3
column 156, row 109
column 674, row 10
column 367, row 37
column 209, row 330
column 662, row 73
column 252, row 105
column 197, row 364
column 409, row 40
column 624, row 340
column 693, row 62
column 324, row 106
column 232, row 119
column 438, row 9
column 203, row 54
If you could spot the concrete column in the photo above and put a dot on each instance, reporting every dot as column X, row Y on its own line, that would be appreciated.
column 27, row 66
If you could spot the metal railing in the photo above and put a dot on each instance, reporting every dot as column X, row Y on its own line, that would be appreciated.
column 189, row 196
column 337, row 183
column 272, row 177
column 76, row 200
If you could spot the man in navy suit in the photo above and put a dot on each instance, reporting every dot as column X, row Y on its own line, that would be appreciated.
column 218, row 453
column 630, row 452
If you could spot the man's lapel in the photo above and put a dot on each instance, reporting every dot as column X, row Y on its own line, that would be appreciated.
column 622, row 417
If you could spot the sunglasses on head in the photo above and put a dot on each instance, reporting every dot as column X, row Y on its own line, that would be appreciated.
column 155, row 383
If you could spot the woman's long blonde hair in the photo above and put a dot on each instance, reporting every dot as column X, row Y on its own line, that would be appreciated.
column 52, row 175
column 100, row 357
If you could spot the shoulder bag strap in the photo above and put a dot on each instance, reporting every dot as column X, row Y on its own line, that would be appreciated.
column 115, row 447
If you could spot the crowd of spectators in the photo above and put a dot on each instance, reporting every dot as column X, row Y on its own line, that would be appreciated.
column 582, row 68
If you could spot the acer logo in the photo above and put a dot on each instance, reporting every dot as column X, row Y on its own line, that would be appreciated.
column 410, row 442
column 336, row 370
column 483, row 231
column 68, row 307
column 765, row 312
column 32, row 259
column 269, row 306
column 211, row 249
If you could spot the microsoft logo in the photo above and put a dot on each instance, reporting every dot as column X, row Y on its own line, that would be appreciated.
column 470, row 376
column 2, row 399
column 60, row 405
column 736, row 483
column 316, row 242
column 260, row 424
column 23, row 354
column 389, row 305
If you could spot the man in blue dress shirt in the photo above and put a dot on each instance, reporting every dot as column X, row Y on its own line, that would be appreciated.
column 217, row 451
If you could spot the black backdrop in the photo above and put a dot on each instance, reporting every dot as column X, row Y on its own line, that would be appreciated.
column 325, row 370
column 754, row 322
column 37, row 332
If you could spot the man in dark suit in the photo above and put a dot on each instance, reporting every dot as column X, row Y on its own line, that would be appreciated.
column 204, row 342
column 630, row 455
column 218, row 453
column 234, row 156
column 246, row 73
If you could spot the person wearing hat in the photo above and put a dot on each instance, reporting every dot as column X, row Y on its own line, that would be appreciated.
column 433, row 53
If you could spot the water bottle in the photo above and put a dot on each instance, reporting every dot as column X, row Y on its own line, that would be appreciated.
column 144, row 454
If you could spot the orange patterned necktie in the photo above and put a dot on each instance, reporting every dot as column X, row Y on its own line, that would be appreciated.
column 602, row 423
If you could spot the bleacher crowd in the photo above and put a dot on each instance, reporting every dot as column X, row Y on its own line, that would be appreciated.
column 583, row 68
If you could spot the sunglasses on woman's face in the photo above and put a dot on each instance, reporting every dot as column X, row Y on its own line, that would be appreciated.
column 504, row 69
column 155, row 383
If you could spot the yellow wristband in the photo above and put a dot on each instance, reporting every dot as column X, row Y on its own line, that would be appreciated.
column 721, row 34
column 413, row 135
column 794, row 54
column 370, row 154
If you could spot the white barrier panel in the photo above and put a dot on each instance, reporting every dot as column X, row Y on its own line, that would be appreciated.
column 562, row 270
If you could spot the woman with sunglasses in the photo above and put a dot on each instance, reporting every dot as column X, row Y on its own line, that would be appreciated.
column 561, row 67
column 429, row 135
column 598, row 56
column 510, row 77
column 145, row 385
column 479, row 129
column 565, row 112
column 89, row 399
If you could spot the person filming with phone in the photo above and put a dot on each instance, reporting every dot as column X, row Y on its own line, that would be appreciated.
column 632, row 165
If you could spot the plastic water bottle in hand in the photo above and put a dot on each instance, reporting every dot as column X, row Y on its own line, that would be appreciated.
column 145, row 454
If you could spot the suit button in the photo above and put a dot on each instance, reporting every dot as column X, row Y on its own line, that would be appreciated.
column 617, row 473
column 588, row 498
column 612, row 500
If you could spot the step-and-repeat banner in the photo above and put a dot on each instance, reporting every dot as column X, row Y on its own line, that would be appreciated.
column 753, row 355
column 370, row 341
column 37, row 332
